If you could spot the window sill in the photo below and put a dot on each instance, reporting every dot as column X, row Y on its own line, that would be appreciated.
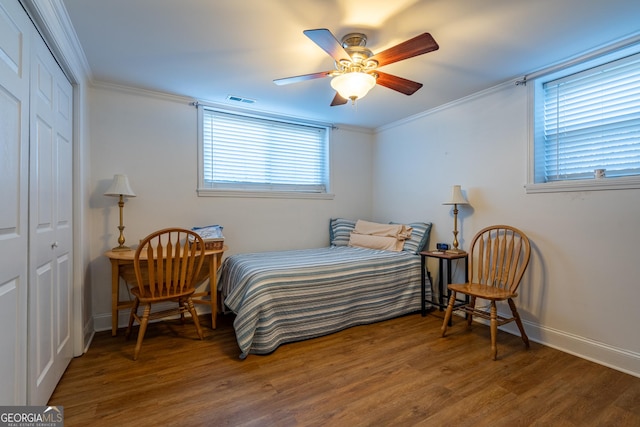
column 623, row 183
column 208, row 192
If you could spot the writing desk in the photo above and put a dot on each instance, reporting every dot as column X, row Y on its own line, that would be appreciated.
column 122, row 267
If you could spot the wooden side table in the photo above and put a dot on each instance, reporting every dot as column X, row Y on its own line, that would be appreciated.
column 443, row 258
column 122, row 267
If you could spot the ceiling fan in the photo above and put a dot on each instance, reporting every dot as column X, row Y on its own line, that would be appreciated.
column 356, row 66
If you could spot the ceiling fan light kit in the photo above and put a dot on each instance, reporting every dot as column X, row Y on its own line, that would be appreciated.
column 353, row 85
column 356, row 66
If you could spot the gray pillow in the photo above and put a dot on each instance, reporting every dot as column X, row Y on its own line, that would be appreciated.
column 419, row 236
column 340, row 231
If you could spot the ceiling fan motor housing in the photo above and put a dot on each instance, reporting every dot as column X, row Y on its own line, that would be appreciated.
column 354, row 44
column 354, row 39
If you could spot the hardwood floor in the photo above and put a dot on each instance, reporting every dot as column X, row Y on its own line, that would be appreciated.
column 394, row 373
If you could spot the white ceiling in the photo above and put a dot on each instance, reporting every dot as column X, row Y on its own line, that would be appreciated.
column 209, row 49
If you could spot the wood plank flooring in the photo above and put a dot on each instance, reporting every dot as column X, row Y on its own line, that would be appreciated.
column 393, row 373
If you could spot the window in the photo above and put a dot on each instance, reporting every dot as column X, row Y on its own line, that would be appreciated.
column 587, row 117
column 245, row 155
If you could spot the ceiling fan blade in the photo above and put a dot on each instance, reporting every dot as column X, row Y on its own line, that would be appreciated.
column 338, row 100
column 302, row 78
column 418, row 45
column 327, row 41
column 396, row 83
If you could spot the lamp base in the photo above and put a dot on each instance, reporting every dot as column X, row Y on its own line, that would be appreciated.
column 121, row 248
column 455, row 251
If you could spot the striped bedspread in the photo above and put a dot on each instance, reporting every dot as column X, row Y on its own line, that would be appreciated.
column 286, row 296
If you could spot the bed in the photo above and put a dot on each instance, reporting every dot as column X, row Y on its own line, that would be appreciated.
column 286, row 296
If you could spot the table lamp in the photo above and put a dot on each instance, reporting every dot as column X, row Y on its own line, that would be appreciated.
column 120, row 188
column 456, row 199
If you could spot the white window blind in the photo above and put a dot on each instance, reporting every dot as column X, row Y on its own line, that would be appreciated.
column 592, row 121
column 261, row 154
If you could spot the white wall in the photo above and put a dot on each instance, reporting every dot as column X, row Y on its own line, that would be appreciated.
column 581, row 290
column 153, row 139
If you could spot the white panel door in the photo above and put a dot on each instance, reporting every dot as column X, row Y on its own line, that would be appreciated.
column 50, row 224
column 15, row 28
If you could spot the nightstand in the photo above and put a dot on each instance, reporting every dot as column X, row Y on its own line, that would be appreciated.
column 444, row 260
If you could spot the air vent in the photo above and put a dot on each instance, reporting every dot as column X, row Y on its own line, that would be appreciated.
column 241, row 99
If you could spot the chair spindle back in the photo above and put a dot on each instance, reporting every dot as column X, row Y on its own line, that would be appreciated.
column 499, row 256
column 174, row 258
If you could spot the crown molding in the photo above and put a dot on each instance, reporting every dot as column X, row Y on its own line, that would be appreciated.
column 54, row 25
column 457, row 102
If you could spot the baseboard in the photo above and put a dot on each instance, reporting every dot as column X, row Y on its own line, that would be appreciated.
column 603, row 354
column 88, row 338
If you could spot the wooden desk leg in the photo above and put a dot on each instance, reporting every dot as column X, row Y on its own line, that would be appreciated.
column 441, row 284
column 423, row 290
column 213, row 288
column 446, row 285
column 115, row 281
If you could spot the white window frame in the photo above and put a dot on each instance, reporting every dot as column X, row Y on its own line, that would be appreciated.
column 535, row 96
column 264, row 191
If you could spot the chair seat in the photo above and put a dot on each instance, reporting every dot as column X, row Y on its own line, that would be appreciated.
column 483, row 291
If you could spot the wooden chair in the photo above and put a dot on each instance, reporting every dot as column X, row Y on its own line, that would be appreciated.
column 498, row 258
column 166, row 265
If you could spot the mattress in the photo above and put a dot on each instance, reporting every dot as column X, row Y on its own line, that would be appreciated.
column 287, row 296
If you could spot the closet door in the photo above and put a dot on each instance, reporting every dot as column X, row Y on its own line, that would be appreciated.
column 50, row 224
column 15, row 28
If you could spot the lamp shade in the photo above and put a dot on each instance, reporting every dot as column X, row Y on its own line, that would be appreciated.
column 456, row 197
column 120, row 187
column 354, row 85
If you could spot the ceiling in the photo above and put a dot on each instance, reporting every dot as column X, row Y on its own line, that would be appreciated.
column 210, row 49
